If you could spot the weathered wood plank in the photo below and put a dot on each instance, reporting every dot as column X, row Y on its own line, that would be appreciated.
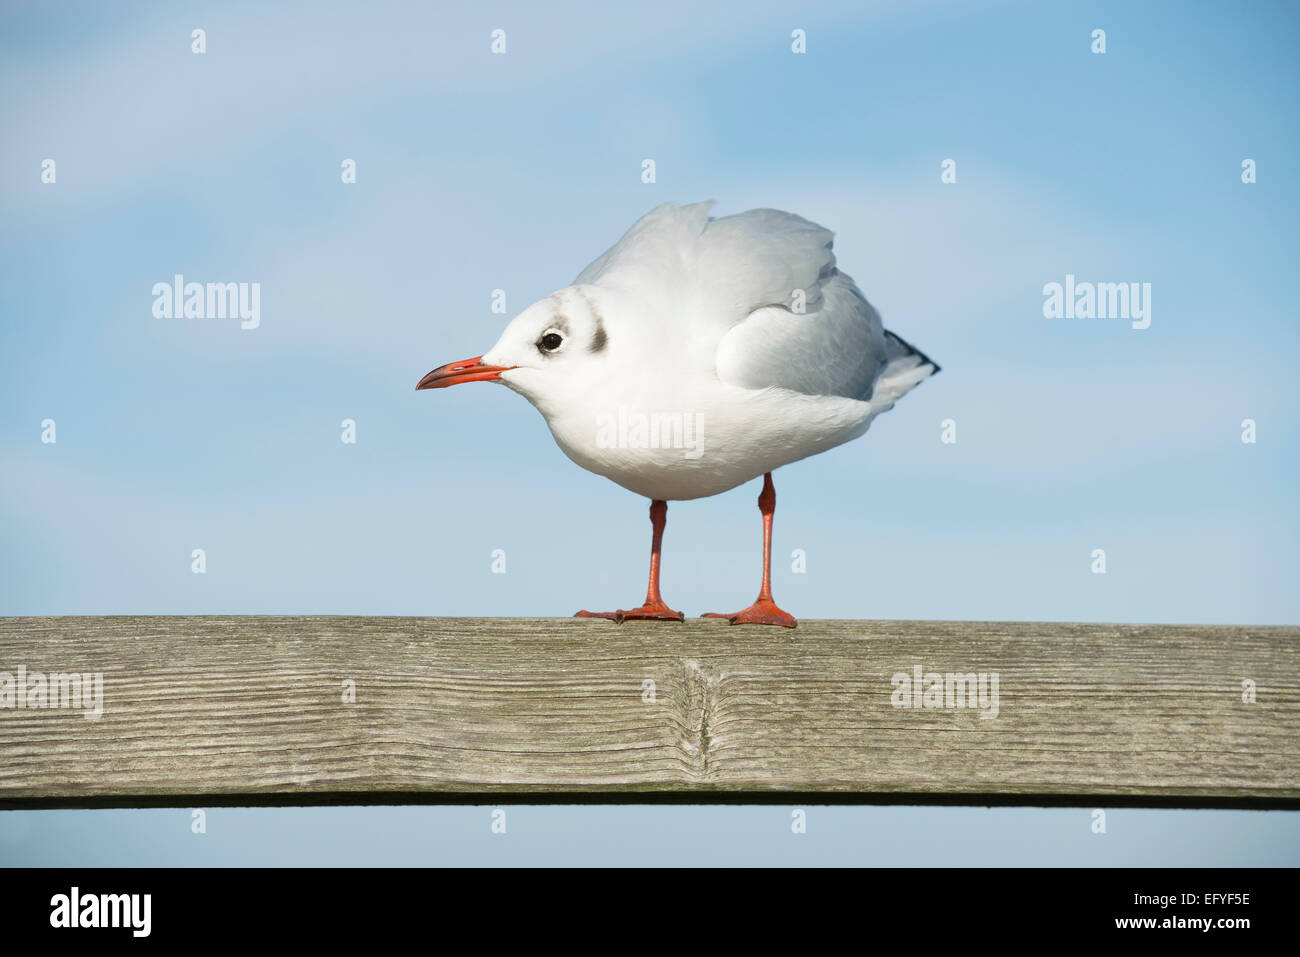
column 207, row 710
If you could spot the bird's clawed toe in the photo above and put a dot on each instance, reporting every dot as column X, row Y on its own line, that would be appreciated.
column 650, row 612
column 762, row 612
column 611, row 615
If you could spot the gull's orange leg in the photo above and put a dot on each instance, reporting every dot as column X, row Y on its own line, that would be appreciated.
column 654, row 608
column 764, row 610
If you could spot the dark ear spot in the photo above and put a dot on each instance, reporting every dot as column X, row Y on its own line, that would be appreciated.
column 599, row 339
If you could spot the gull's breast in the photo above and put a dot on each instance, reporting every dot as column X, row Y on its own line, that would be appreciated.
column 690, row 442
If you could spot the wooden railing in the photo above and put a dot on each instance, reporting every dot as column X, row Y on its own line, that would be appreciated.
column 308, row 710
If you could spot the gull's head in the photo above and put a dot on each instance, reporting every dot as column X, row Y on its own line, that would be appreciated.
column 555, row 348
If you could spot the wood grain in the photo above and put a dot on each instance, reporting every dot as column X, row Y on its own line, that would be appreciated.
column 235, row 710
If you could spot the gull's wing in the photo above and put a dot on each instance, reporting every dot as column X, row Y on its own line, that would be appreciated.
column 712, row 273
column 841, row 349
column 760, row 292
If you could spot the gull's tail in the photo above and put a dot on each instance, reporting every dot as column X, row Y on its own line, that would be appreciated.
column 905, row 368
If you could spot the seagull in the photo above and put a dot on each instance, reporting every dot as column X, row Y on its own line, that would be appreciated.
column 697, row 354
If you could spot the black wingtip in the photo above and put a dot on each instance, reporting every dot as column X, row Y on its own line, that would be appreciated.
column 913, row 350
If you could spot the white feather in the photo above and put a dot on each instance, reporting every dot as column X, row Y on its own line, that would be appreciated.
column 689, row 315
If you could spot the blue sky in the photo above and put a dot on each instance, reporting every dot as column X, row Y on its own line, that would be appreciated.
column 478, row 172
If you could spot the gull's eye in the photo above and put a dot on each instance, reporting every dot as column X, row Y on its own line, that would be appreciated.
column 550, row 341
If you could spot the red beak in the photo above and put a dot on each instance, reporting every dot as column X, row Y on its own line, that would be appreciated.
column 454, row 373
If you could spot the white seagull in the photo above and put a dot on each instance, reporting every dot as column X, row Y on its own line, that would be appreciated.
column 697, row 354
